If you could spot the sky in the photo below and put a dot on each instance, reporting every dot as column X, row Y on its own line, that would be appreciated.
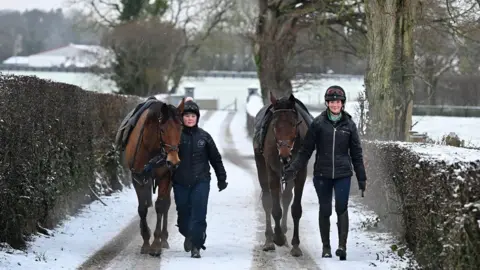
column 22, row 5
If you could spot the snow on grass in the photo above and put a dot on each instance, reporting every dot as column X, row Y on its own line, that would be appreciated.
column 467, row 128
column 76, row 238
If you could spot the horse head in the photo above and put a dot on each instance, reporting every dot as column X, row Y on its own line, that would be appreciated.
column 164, row 127
column 285, row 125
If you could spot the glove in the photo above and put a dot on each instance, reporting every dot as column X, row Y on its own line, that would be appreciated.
column 147, row 169
column 362, row 184
column 222, row 185
column 288, row 175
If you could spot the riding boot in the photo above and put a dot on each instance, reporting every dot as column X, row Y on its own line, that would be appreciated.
column 195, row 253
column 324, row 223
column 187, row 244
column 342, row 225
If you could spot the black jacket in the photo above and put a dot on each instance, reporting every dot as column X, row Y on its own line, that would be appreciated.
column 338, row 147
column 197, row 150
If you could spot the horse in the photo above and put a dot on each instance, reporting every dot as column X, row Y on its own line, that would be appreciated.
column 157, row 132
column 283, row 137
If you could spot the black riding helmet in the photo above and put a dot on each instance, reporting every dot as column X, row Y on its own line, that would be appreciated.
column 335, row 92
column 191, row 107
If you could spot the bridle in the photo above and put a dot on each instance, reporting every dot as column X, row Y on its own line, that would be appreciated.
column 285, row 143
column 165, row 149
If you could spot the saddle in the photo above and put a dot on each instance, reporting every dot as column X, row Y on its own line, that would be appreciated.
column 264, row 117
column 130, row 121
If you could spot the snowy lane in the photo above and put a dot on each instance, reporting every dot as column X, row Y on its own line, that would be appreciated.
column 242, row 153
column 365, row 250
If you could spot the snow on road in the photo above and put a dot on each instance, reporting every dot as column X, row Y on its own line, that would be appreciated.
column 233, row 225
column 365, row 250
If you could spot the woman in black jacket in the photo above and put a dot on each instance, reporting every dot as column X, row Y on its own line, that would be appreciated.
column 335, row 137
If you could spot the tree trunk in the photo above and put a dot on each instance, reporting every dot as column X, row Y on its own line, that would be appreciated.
column 275, row 40
column 390, row 67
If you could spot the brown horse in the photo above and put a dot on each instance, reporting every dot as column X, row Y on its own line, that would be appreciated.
column 283, row 138
column 157, row 132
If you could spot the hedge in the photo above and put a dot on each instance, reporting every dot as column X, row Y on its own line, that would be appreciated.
column 56, row 145
column 430, row 196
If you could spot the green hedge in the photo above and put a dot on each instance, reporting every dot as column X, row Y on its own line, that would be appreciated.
column 56, row 141
column 432, row 204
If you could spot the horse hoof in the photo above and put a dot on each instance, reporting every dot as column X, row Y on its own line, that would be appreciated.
column 155, row 252
column 144, row 249
column 165, row 244
column 296, row 252
column 280, row 240
column 268, row 246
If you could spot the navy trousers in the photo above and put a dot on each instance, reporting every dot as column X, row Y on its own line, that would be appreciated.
column 325, row 187
column 192, row 205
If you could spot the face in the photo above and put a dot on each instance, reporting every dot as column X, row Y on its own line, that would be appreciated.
column 189, row 119
column 335, row 106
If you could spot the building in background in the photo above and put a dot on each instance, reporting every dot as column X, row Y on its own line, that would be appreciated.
column 72, row 55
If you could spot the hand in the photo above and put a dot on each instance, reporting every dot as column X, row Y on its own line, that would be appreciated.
column 288, row 176
column 147, row 169
column 362, row 185
column 222, row 185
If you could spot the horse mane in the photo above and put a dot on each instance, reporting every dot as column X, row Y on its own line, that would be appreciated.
column 284, row 103
column 163, row 111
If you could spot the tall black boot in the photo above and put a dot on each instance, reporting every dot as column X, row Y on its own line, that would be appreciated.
column 324, row 223
column 342, row 236
column 187, row 244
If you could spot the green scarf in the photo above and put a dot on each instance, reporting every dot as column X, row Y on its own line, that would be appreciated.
column 334, row 118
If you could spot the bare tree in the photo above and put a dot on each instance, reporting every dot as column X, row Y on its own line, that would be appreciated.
column 278, row 25
column 147, row 50
column 196, row 19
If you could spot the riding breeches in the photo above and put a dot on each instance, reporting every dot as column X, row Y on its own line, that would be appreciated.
column 192, row 205
column 325, row 187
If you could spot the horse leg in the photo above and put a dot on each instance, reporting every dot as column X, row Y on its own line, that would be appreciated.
column 297, row 212
column 144, row 202
column 287, row 196
column 161, row 207
column 279, row 237
column 164, row 234
column 266, row 202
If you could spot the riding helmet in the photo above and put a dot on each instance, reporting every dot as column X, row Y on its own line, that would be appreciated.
column 191, row 107
column 335, row 92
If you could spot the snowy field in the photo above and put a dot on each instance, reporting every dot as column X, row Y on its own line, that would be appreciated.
column 229, row 90
column 235, row 225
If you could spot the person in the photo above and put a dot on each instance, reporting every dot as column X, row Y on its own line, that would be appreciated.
column 335, row 137
column 191, row 180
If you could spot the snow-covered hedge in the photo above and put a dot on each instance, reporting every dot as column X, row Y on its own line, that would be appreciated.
column 430, row 195
column 56, row 144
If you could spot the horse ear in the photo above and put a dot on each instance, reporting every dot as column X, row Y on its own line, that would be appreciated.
column 273, row 100
column 181, row 106
column 164, row 110
column 291, row 98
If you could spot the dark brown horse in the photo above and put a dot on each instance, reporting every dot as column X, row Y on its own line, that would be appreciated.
column 157, row 131
column 283, row 138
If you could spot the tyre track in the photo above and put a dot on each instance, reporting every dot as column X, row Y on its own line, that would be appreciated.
column 123, row 251
column 264, row 260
